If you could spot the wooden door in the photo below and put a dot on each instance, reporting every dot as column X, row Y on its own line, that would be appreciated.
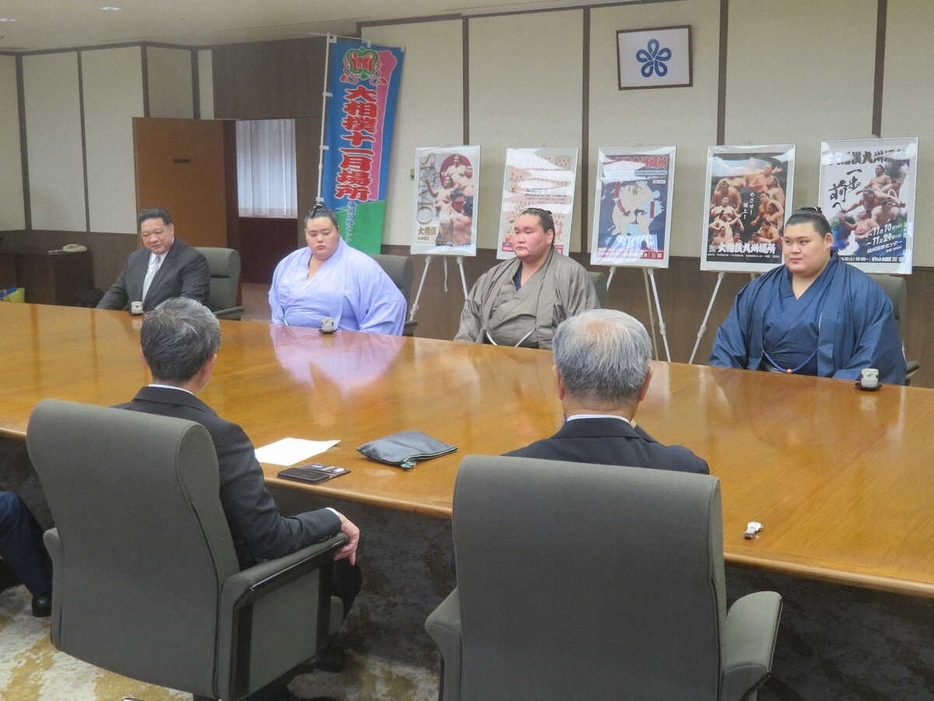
column 188, row 167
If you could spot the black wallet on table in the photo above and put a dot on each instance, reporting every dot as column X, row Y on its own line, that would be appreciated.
column 405, row 449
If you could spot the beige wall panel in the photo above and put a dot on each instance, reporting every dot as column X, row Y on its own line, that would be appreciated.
column 906, row 106
column 53, row 133
column 170, row 91
column 525, row 91
column 682, row 117
column 206, row 83
column 113, row 95
column 800, row 72
column 12, row 214
column 430, row 109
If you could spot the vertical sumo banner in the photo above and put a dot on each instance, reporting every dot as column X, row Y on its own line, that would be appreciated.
column 867, row 192
column 364, row 84
column 445, row 218
column 632, row 211
column 749, row 192
column 538, row 177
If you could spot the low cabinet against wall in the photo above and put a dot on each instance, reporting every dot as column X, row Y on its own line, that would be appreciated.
column 7, row 270
column 52, row 277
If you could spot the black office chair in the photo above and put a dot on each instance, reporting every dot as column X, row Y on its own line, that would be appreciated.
column 401, row 271
column 146, row 581
column 595, row 582
column 224, row 264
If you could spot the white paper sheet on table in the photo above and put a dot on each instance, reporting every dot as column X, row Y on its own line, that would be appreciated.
column 289, row 451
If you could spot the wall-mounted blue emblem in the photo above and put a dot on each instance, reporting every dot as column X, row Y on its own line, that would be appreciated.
column 654, row 59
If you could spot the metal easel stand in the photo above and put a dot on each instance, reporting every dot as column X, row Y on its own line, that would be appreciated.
column 703, row 327
column 421, row 282
column 648, row 300
column 649, row 276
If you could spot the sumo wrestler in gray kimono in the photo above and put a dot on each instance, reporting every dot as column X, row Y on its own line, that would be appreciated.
column 520, row 302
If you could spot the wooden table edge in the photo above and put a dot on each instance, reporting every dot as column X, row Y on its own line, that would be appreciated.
column 435, row 510
column 825, row 574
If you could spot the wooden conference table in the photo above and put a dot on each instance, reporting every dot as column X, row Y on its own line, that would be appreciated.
column 842, row 480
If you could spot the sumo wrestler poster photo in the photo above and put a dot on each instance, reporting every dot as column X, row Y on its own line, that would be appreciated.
column 748, row 193
column 538, row 177
column 867, row 193
column 632, row 209
column 445, row 213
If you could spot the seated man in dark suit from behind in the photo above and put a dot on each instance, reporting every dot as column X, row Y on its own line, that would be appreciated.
column 179, row 341
column 603, row 372
column 22, row 549
column 165, row 267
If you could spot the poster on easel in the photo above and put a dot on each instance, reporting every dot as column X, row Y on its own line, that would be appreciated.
column 632, row 207
column 867, row 193
column 445, row 214
column 538, row 177
column 749, row 192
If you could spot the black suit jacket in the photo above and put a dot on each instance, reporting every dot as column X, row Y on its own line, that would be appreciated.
column 183, row 273
column 259, row 531
column 612, row 442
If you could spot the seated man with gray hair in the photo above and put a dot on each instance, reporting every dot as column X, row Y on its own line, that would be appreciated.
column 602, row 371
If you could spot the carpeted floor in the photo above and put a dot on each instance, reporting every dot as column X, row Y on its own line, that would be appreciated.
column 31, row 669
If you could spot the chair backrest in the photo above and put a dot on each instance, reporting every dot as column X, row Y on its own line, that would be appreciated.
column 599, row 282
column 224, row 264
column 897, row 290
column 399, row 269
column 587, row 581
column 142, row 542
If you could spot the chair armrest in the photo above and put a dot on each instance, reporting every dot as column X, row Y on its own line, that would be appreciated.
column 444, row 626
column 265, row 577
column 286, row 601
column 748, row 642
column 229, row 313
column 53, row 544
column 911, row 367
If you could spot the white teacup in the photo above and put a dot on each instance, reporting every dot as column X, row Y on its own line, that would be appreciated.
column 327, row 325
column 869, row 378
column 136, row 308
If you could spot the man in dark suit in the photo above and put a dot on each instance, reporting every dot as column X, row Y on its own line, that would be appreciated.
column 165, row 267
column 179, row 340
column 22, row 549
column 602, row 370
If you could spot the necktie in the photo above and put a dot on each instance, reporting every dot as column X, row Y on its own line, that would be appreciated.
column 154, row 263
